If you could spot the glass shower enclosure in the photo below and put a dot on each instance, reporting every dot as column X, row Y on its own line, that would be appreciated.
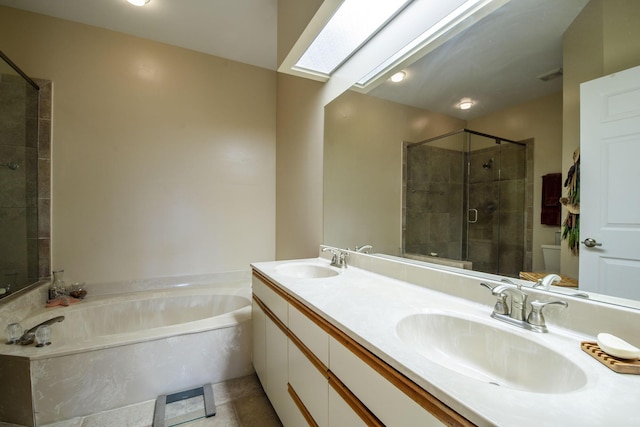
column 18, row 178
column 465, row 200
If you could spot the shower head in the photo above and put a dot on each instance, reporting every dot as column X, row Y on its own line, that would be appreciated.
column 488, row 164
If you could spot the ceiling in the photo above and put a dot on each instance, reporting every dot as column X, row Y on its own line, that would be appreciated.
column 495, row 62
column 241, row 30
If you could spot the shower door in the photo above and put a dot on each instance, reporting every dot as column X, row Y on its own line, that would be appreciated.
column 18, row 179
column 495, row 195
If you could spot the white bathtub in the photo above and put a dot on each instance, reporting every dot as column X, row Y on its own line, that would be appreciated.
column 115, row 350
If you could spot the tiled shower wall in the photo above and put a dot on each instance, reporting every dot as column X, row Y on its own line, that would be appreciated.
column 25, row 135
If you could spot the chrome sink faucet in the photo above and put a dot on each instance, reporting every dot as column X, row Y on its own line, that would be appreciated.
column 339, row 258
column 547, row 281
column 364, row 249
column 515, row 313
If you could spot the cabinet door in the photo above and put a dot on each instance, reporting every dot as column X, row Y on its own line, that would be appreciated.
column 274, row 301
column 275, row 385
column 388, row 403
column 340, row 413
column 310, row 385
column 259, row 341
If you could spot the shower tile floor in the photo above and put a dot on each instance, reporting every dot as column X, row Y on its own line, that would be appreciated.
column 239, row 403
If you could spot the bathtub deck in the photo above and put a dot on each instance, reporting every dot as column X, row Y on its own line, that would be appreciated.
column 240, row 403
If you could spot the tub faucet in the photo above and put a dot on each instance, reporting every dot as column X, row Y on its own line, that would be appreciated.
column 339, row 258
column 30, row 336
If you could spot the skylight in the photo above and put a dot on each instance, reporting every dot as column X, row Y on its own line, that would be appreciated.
column 454, row 22
column 355, row 22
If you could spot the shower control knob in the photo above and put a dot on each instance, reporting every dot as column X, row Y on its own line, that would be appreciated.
column 590, row 243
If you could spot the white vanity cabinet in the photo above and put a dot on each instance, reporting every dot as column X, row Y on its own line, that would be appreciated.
column 391, row 405
column 270, row 358
column 329, row 379
column 308, row 361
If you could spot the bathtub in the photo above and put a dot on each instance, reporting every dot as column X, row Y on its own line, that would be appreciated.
column 113, row 350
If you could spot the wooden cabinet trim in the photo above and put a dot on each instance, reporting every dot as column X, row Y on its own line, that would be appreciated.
column 300, row 404
column 271, row 315
column 315, row 361
column 354, row 403
column 419, row 395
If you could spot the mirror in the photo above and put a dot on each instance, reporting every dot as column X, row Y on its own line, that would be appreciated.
column 520, row 67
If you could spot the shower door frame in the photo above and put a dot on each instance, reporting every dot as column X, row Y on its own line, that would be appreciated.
column 41, row 239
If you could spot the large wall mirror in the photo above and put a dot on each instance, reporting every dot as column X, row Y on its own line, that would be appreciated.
column 411, row 173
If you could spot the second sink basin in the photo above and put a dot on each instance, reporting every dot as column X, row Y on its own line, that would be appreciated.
column 305, row 271
column 490, row 354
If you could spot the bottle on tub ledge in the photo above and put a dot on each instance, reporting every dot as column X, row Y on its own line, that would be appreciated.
column 58, row 293
column 57, row 287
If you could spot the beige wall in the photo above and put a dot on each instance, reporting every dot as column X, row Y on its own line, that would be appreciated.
column 299, row 167
column 601, row 40
column 300, row 124
column 163, row 158
column 363, row 167
column 540, row 119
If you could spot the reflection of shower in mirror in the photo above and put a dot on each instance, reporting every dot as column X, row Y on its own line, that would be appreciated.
column 488, row 164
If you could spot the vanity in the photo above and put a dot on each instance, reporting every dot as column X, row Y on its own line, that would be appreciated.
column 390, row 342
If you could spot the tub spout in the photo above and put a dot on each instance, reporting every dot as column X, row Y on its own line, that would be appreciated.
column 30, row 336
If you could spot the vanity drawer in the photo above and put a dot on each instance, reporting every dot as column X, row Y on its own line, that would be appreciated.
column 272, row 299
column 388, row 403
column 311, row 335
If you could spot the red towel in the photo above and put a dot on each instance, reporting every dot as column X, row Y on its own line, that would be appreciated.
column 551, row 193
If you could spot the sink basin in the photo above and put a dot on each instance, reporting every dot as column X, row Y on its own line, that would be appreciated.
column 305, row 271
column 490, row 354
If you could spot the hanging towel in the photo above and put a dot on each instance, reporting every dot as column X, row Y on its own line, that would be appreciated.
column 551, row 193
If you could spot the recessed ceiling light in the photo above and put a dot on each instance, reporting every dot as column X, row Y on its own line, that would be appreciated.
column 465, row 104
column 138, row 2
column 398, row 77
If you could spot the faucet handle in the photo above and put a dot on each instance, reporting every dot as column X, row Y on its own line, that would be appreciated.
column 488, row 286
column 536, row 317
column 339, row 258
column 501, row 306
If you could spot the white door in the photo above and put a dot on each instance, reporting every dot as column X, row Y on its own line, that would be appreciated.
column 610, row 184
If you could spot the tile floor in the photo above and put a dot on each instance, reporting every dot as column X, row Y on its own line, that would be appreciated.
column 239, row 403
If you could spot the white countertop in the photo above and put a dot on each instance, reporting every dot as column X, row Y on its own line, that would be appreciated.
column 367, row 306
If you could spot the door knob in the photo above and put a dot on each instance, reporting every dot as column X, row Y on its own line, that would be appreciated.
column 590, row 243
